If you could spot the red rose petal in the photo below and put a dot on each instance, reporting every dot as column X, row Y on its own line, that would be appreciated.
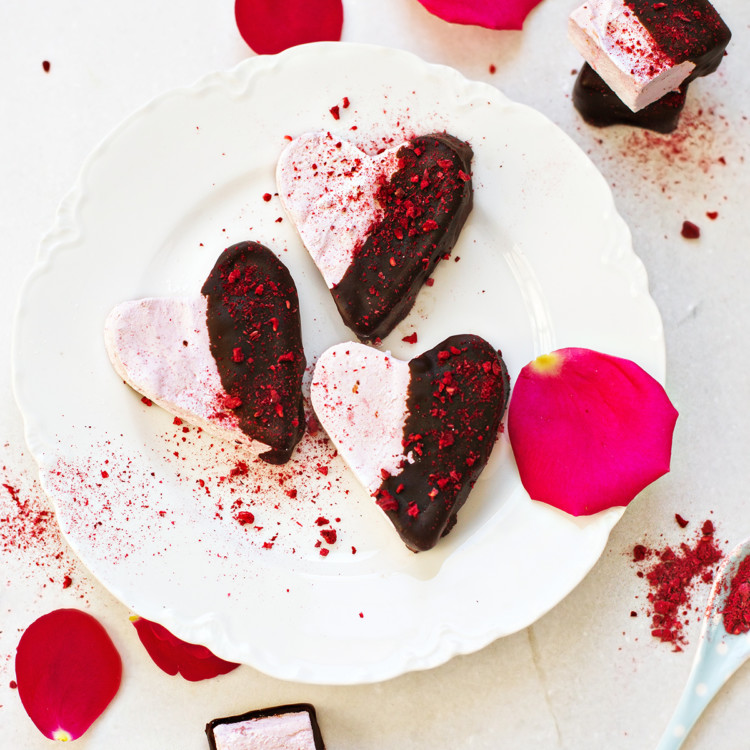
column 589, row 431
column 67, row 670
column 173, row 655
column 270, row 26
column 492, row 14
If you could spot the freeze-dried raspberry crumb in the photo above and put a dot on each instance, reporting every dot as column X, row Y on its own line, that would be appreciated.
column 690, row 231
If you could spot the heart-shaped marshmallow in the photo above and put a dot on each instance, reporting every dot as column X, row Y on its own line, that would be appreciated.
column 376, row 226
column 416, row 434
column 229, row 361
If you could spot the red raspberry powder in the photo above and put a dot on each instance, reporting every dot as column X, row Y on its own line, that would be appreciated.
column 672, row 575
column 737, row 605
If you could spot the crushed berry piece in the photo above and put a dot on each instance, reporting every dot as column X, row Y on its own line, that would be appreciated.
column 386, row 501
column 411, row 338
column 329, row 535
column 446, row 439
column 240, row 469
column 335, row 112
column 232, row 402
column 46, row 66
column 690, row 231
column 267, row 197
column 147, row 401
column 680, row 520
column 312, row 425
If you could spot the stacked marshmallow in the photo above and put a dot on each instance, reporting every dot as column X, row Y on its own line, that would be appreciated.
column 640, row 56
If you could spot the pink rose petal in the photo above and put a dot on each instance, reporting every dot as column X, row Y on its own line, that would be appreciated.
column 173, row 655
column 67, row 670
column 270, row 26
column 492, row 14
column 589, row 431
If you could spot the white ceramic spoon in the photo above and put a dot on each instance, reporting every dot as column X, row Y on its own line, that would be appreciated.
column 719, row 656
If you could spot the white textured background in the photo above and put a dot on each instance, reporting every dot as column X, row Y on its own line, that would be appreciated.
column 588, row 675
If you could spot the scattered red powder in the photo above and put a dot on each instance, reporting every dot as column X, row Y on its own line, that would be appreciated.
column 737, row 605
column 24, row 523
column 672, row 575
column 690, row 231
column 29, row 533
column 693, row 144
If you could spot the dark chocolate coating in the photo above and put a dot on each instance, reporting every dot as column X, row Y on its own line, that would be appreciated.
column 600, row 106
column 266, row 712
column 255, row 335
column 425, row 204
column 685, row 30
column 456, row 399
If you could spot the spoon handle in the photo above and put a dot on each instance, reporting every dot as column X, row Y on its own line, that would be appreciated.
column 695, row 697
column 714, row 664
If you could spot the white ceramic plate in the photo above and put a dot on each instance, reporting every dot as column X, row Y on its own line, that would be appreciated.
column 544, row 261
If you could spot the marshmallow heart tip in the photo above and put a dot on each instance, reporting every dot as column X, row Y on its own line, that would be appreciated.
column 416, row 434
